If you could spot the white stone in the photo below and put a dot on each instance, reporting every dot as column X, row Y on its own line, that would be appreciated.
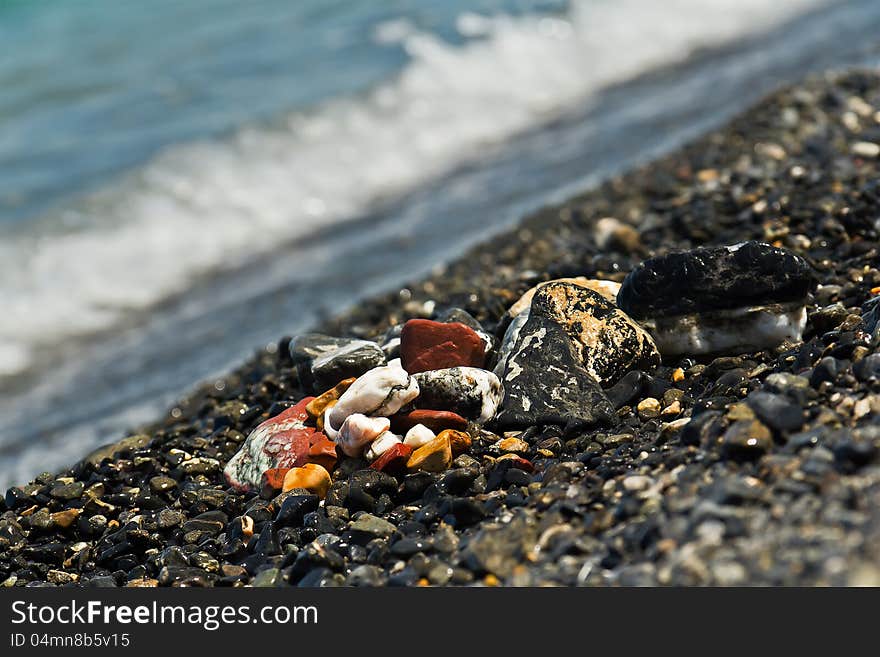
column 380, row 392
column 471, row 392
column 358, row 431
column 382, row 444
column 418, row 435
column 760, row 327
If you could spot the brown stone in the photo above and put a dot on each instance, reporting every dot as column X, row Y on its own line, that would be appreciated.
column 436, row 456
column 512, row 446
column 460, row 441
column 66, row 518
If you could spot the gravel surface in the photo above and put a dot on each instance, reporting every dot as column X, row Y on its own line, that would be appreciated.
column 754, row 468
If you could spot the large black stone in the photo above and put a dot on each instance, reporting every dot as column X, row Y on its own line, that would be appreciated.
column 545, row 383
column 717, row 278
column 322, row 361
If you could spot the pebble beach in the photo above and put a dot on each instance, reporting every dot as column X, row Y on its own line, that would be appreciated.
column 744, row 462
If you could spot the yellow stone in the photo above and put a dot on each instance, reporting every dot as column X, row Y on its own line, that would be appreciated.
column 678, row 375
column 319, row 404
column 435, row 456
column 313, row 477
column 459, row 440
column 512, row 446
column 66, row 518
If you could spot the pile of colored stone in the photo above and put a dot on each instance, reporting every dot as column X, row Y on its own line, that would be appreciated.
column 414, row 400
column 402, row 406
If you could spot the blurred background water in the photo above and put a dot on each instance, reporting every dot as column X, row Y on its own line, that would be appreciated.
column 182, row 182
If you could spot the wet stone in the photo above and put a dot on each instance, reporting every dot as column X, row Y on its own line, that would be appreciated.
column 747, row 440
column 322, row 361
column 280, row 442
column 71, row 491
column 428, row 345
column 776, row 411
column 744, row 297
column 544, row 382
column 470, row 392
column 608, row 343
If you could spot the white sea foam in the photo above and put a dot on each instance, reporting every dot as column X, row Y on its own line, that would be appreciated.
column 203, row 206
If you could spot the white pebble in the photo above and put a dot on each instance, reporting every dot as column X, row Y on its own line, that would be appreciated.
column 381, row 445
column 358, row 431
column 418, row 435
column 381, row 391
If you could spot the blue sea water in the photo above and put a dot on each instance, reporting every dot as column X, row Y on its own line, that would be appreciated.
column 182, row 182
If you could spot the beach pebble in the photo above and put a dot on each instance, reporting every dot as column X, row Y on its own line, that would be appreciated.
column 358, row 431
column 428, row 345
column 612, row 234
column 322, row 361
column 394, row 459
column 271, row 481
column 436, row 421
column 460, row 441
column 607, row 341
column 545, row 383
column 435, row 456
column 322, row 450
column 648, row 408
column 745, row 297
column 418, row 435
column 311, row 476
column 380, row 445
column 467, row 391
column 319, row 404
column 381, row 391
column 746, row 439
column 463, row 317
column 607, row 289
column 280, row 442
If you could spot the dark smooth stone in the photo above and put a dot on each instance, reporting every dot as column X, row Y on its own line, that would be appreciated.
column 868, row 368
column 776, row 411
column 294, row 508
column 322, row 361
column 827, row 369
column 715, row 278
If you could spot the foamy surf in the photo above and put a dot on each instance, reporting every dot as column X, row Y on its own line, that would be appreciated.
column 205, row 206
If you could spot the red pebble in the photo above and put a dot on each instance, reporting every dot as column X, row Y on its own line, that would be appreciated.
column 393, row 460
column 436, row 421
column 428, row 345
column 518, row 462
column 272, row 480
column 322, row 451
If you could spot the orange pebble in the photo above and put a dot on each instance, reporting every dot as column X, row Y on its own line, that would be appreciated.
column 311, row 476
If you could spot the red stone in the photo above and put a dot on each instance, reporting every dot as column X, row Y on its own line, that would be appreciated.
column 290, row 447
column 518, row 462
column 428, row 345
column 393, row 460
column 436, row 421
column 322, row 451
column 272, row 480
